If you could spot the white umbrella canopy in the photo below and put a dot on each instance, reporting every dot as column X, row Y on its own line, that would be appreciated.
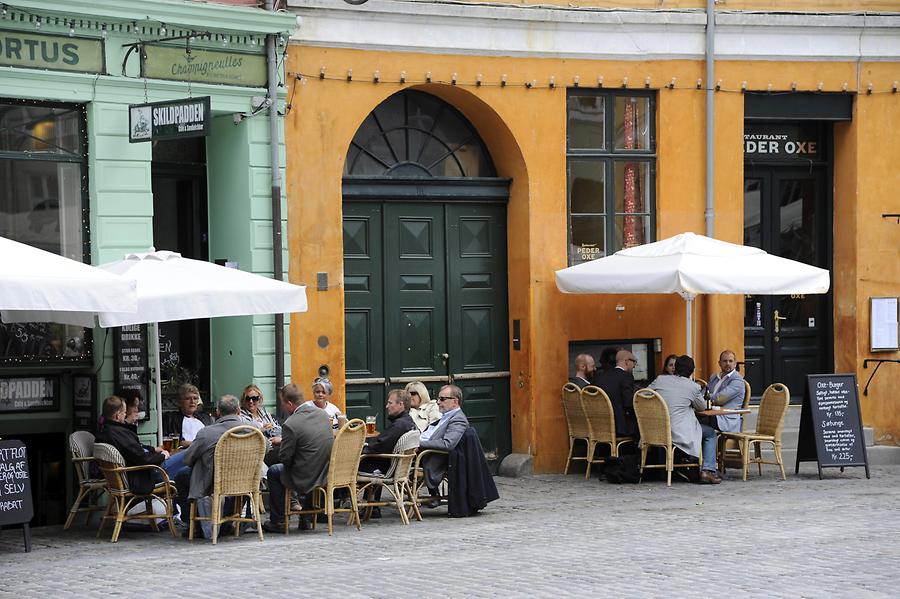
column 689, row 264
column 170, row 287
column 34, row 279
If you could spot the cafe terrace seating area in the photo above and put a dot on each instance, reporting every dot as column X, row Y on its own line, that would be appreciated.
column 237, row 475
column 591, row 424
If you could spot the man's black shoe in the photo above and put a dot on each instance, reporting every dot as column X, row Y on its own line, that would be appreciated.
column 273, row 527
column 321, row 518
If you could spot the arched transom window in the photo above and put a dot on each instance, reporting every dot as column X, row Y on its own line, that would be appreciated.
column 414, row 134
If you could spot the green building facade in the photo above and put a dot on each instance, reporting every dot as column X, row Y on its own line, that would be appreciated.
column 72, row 182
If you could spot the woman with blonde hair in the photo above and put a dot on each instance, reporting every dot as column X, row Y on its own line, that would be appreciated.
column 424, row 411
column 253, row 411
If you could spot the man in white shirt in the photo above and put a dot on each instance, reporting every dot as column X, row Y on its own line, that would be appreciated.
column 189, row 419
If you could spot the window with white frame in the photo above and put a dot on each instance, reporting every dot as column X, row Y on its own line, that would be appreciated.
column 611, row 171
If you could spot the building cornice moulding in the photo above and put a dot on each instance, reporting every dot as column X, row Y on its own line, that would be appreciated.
column 596, row 34
column 174, row 13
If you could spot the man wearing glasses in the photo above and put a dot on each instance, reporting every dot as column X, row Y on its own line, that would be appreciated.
column 443, row 434
column 189, row 419
column 618, row 383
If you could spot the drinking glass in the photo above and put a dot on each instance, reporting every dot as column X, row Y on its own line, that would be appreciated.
column 370, row 425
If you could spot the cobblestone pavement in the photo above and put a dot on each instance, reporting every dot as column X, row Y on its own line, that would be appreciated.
column 548, row 536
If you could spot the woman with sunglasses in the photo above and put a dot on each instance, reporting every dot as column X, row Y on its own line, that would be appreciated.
column 423, row 410
column 252, row 410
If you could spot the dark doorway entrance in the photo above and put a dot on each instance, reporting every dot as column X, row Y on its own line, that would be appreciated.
column 180, row 224
column 787, row 212
column 425, row 266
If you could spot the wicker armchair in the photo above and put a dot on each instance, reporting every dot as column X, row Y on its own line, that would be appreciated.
column 81, row 446
column 122, row 498
column 656, row 431
column 342, row 474
column 601, row 425
column 417, row 481
column 769, row 424
column 729, row 451
column 395, row 480
column 236, row 467
column 577, row 423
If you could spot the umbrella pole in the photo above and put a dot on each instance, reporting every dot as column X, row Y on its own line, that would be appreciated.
column 689, row 323
column 158, row 374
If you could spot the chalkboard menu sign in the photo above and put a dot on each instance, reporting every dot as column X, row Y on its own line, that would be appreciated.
column 831, row 424
column 132, row 362
column 15, row 487
column 29, row 394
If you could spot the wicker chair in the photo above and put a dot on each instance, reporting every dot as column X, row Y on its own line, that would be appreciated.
column 729, row 450
column 769, row 424
column 81, row 446
column 417, row 479
column 342, row 474
column 601, row 425
column 236, row 467
column 122, row 498
column 395, row 480
column 656, row 431
column 577, row 422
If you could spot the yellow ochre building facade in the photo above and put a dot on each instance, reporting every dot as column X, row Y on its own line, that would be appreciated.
column 444, row 160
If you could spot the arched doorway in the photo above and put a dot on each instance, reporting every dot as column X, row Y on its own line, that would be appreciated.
column 425, row 268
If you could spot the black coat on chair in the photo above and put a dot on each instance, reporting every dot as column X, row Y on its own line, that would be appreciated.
column 471, row 485
column 619, row 387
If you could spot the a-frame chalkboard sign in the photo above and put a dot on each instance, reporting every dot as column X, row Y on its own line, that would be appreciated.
column 831, row 424
column 15, row 488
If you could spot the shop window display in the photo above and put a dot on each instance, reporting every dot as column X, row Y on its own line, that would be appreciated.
column 42, row 190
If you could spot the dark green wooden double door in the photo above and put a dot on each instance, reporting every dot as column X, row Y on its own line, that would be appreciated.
column 425, row 299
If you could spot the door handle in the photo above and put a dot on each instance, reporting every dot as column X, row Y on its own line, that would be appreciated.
column 445, row 356
column 778, row 319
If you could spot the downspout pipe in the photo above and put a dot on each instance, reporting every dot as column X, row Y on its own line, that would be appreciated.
column 710, row 154
column 274, row 137
column 710, row 114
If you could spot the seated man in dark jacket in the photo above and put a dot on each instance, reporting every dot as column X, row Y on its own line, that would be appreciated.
column 124, row 437
column 399, row 422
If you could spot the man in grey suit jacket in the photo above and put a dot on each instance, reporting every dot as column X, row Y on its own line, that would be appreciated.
column 305, row 452
column 684, row 397
column 726, row 389
column 443, row 434
column 200, row 456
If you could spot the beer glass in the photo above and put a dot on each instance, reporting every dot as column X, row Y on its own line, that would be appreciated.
column 370, row 425
column 167, row 444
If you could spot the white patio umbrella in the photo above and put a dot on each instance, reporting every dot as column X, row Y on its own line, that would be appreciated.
column 170, row 287
column 689, row 264
column 34, row 279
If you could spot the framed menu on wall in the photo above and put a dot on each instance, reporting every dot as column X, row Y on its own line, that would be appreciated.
column 132, row 367
column 883, row 326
